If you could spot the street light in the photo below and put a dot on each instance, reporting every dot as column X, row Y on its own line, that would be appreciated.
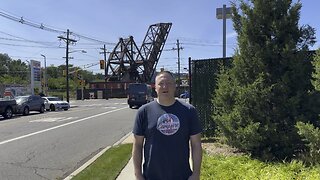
column 224, row 13
column 67, row 68
column 45, row 75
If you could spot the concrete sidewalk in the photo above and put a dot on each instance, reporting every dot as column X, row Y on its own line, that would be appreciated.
column 127, row 172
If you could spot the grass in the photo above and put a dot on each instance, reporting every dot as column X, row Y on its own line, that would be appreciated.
column 245, row 168
column 107, row 166
column 239, row 167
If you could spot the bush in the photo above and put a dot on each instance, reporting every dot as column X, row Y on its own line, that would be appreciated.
column 268, row 89
column 311, row 136
column 245, row 168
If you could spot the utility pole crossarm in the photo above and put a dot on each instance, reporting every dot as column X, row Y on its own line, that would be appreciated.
column 67, row 40
column 178, row 49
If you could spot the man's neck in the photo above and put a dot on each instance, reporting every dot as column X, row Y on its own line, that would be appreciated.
column 166, row 102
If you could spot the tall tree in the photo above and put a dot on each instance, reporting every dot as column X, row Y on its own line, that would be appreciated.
column 260, row 99
column 13, row 71
column 316, row 74
column 4, row 61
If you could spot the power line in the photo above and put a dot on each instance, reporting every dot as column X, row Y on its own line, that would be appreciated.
column 92, row 39
column 39, row 42
column 47, row 28
column 26, row 22
column 25, row 40
column 202, row 44
column 11, row 35
column 20, row 39
column 7, row 44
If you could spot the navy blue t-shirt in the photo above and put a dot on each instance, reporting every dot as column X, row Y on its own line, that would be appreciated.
column 167, row 130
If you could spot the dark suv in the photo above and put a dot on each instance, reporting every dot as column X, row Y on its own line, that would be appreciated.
column 25, row 104
column 139, row 94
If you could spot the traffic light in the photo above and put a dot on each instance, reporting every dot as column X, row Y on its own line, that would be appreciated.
column 82, row 82
column 101, row 64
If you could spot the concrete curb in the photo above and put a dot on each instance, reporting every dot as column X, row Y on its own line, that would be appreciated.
column 81, row 168
column 127, row 172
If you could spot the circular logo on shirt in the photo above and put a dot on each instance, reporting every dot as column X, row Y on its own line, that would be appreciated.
column 168, row 124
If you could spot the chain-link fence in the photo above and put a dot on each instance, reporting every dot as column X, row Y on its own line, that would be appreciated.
column 203, row 82
column 203, row 78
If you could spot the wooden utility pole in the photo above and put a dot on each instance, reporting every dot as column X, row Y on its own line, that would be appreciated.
column 105, row 69
column 68, row 41
column 178, row 49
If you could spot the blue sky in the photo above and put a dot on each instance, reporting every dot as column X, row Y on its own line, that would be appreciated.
column 194, row 24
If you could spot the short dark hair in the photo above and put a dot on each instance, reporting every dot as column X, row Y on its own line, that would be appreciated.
column 165, row 72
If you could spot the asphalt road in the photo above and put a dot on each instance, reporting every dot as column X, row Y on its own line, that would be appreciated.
column 54, row 144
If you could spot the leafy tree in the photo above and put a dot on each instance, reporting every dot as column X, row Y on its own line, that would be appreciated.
column 100, row 76
column 54, row 72
column 7, row 79
column 18, row 72
column 311, row 136
column 309, row 131
column 316, row 73
column 260, row 99
column 13, row 71
column 4, row 60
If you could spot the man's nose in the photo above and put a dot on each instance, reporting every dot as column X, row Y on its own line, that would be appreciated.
column 164, row 85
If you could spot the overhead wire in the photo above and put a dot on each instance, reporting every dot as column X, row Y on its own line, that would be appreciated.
column 7, row 44
column 47, row 28
column 25, row 40
column 29, row 23
column 20, row 39
column 93, row 39
column 187, row 42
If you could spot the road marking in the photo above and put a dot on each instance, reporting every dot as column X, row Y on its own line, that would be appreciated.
column 54, row 119
column 47, row 119
column 59, row 126
column 110, row 107
column 93, row 105
column 66, row 119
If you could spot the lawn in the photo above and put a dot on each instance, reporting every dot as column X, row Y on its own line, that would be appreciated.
column 217, row 165
column 108, row 165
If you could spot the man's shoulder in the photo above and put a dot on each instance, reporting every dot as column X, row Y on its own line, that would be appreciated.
column 185, row 104
column 148, row 106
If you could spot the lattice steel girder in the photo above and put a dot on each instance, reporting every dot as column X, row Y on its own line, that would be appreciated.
column 128, row 63
column 152, row 47
column 122, row 60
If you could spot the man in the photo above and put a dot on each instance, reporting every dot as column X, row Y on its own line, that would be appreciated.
column 164, row 128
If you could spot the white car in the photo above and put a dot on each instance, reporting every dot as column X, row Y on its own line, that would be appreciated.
column 53, row 103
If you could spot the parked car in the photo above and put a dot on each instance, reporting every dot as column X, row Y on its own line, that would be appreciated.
column 53, row 103
column 139, row 94
column 184, row 95
column 7, row 107
column 25, row 104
